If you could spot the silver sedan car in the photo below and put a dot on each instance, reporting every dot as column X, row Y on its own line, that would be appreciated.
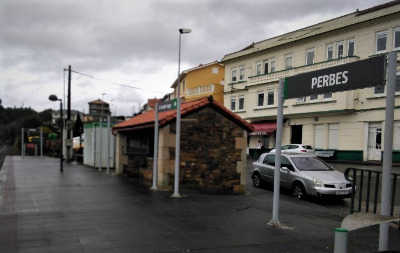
column 303, row 174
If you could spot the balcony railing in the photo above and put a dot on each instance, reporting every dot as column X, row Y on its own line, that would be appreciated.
column 274, row 76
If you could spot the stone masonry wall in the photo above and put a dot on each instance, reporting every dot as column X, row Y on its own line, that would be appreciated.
column 210, row 154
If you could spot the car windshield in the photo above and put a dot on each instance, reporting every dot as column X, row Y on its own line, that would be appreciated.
column 310, row 164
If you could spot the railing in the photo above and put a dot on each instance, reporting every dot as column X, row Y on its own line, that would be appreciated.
column 362, row 181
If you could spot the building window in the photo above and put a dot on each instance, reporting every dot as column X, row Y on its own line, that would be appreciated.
column 396, row 39
column 313, row 97
column 241, row 103
column 300, row 99
column 398, row 82
column 214, row 70
column 350, row 47
column 379, row 90
column 381, row 39
column 270, row 98
column 310, row 54
column 288, row 61
column 258, row 68
column 327, row 95
column 340, row 49
column 319, row 136
column 241, row 73
column 329, row 52
column 233, row 104
column 260, row 99
column 137, row 144
column 333, row 136
column 234, row 75
column 273, row 63
column 265, row 63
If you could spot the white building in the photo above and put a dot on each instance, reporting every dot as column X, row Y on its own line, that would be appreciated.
column 350, row 123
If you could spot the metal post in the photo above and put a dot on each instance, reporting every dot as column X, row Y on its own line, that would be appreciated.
column 61, row 136
column 388, row 149
column 108, row 144
column 155, row 158
column 22, row 143
column 178, row 120
column 340, row 240
column 68, row 148
column 278, row 144
column 100, row 144
column 178, row 127
column 41, row 142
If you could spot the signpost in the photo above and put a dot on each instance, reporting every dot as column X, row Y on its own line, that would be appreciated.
column 160, row 107
column 357, row 75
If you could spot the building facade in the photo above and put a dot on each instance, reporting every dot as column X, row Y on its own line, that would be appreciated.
column 350, row 123
column 202, row 81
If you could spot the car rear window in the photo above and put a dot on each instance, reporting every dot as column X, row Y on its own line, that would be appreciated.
column 310, row 164
column 307, row 146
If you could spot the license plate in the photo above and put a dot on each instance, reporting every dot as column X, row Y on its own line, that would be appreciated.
column 342, row 192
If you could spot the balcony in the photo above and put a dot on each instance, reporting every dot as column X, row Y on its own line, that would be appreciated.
column 274, row 77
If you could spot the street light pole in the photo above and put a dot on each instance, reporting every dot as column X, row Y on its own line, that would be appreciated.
column 178, row 119
column 55, row 98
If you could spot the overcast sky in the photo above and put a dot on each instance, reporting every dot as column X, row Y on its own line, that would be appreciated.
column 126, row 51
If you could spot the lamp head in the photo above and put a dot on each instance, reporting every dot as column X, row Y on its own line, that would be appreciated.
column 185, row 30
column 53, row 98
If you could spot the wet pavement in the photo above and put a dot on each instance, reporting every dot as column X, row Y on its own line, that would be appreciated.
column 84, row 210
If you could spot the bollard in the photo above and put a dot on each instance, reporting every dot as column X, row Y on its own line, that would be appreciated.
column 340, row 240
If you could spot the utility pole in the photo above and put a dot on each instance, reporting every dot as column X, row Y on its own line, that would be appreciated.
column 68, row 143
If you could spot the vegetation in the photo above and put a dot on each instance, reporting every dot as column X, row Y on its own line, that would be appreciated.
column 12, row 120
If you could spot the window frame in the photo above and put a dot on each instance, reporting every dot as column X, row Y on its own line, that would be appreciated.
column 340, row 49
column 288, row 56
column 242, row 73
column 396, row 31
column 143, row 140
column 273, row 65
column 234, row 78
column 269, row 102
column 265, row 66
column 241, row 103
column 233, row 104
column 377, row 37
column 353, row 42
column 308, row 51
column 259, row 94
column 259, row 68
column 330, row 46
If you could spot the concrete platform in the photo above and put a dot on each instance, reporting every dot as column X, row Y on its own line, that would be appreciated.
column 84, row 210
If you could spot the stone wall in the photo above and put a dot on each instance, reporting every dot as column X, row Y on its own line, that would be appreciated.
column 212, row 153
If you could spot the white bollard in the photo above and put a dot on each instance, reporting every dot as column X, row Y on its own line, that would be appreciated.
column 340, row 240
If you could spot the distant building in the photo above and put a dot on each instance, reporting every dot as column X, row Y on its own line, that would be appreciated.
column 55, row 117
column 97, row 109
column 203, row 80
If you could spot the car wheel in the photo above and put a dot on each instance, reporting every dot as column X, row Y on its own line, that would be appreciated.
column 299, row 191
column 257, row 179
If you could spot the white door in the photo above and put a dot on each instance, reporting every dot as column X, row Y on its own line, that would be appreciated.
column 375, row 142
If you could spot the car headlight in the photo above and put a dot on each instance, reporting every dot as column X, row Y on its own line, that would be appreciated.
column 318, row 182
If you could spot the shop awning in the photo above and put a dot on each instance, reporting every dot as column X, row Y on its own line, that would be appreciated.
column 263, row 128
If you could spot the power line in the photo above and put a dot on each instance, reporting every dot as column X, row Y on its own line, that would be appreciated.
column 112, row 82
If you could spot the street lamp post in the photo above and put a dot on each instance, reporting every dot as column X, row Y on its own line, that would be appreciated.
column 55, row 98
column 178, row 119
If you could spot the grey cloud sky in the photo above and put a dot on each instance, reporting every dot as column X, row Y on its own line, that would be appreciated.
column 133, row 43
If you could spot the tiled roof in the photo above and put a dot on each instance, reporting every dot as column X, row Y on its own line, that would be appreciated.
column 146, row 120
column 98, row 101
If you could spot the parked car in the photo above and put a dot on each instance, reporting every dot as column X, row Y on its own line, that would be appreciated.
column 304, row 174
column 295, row 148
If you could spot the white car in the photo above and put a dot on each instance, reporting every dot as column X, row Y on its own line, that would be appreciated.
column 296, row 148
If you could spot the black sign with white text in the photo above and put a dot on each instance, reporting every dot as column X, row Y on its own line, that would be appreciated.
column 351, row 76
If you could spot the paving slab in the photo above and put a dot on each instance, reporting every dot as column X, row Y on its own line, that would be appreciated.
column 84, row 210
